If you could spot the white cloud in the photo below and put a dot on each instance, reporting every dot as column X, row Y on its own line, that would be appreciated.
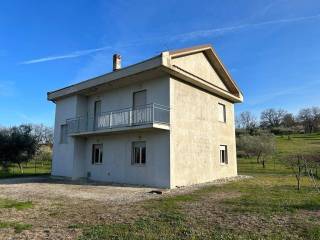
column 223, row 30
column 171, row 38
column 74, row 54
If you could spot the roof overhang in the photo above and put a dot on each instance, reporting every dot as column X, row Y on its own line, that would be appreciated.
column 153, row 67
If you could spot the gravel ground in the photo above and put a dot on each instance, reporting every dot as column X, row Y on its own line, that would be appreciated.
column 38, row 188
column 46, row 188
column 58, row 205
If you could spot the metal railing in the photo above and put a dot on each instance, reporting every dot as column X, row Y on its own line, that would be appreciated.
column 147, row 114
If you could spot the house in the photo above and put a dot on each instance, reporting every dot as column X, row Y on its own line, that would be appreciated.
column 165, row 122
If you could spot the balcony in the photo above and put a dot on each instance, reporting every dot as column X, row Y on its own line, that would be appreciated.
column 147, row 116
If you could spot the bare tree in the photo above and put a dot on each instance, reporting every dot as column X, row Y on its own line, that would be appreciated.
column 247, row 121
column 310, row 119
column 296, row 163
column 288, row 120
column 271, row 117
column 43, row 133
column 316, row 117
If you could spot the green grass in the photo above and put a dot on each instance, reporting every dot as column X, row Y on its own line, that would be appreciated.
column 297, row 144
column 19, row 205
column 18, row 227
column 261, row 200
column 29, row 169
column 267, row 206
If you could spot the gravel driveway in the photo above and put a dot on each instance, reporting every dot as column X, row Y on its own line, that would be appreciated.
column 44, row 187
column 60, row 205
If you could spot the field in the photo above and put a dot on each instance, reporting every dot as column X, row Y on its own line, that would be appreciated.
column 266, row 206
column 32, row 168
column 40, row 165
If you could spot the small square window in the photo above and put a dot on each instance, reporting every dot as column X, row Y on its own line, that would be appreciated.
column 223, row 154
column 222, row 112
column 97, row 153
column 139, row 153
column 64, row 133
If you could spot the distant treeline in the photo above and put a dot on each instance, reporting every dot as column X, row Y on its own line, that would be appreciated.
column 280, row 121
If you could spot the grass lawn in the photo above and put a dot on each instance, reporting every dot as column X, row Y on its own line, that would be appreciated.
column 265, row 207
column 297, row 144
column 32, row 168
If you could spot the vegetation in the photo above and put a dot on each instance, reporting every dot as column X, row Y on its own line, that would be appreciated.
column 18, row 227
column 18, row 205
column 27, row 147
column 267, row 206
column 280, row 122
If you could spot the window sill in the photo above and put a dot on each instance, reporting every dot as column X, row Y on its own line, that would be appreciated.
column 138, row 165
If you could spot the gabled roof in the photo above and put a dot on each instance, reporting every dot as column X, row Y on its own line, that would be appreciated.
column 153, row 65
column 215, row 61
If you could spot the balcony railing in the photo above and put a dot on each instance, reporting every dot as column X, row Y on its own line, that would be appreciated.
column 129, row 117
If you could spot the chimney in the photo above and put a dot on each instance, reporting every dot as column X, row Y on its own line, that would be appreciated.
column 116, row 62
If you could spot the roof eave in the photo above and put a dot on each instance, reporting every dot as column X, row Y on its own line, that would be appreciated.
column 106, row 78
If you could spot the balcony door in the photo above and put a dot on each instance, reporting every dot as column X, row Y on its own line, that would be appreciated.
column 139, row 108
column 97, row 114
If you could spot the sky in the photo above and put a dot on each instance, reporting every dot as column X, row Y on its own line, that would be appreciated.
column 270, row 47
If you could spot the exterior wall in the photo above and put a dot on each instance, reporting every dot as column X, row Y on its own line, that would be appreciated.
column 196, row 135
column 120, row 98
column 64, row 154
column 117, row 154
column 74, row 158
column 199, row 65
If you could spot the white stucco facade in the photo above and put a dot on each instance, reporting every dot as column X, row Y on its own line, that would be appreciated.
column 180, row 150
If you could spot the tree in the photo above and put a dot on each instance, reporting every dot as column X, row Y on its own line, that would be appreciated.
column 5, row 153
column 288, row 120
column 261, row 146
column 247, row 121
column 43, row 133
column 316, row 117
column 296, row 163
column 310, row 119
column 271, row 118
column 17, row 145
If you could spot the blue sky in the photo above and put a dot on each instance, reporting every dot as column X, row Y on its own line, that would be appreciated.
column 271, row 47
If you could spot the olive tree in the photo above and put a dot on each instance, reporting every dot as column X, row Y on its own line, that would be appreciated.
column 17, row 145
column 260, row 146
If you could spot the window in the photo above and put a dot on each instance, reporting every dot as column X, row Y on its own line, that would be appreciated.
column 223, row 154
column 222, row 112
column 139, row 153
column 97, row 153
column 64, row 133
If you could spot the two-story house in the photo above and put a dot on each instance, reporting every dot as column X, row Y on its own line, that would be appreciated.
column 165, row 122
